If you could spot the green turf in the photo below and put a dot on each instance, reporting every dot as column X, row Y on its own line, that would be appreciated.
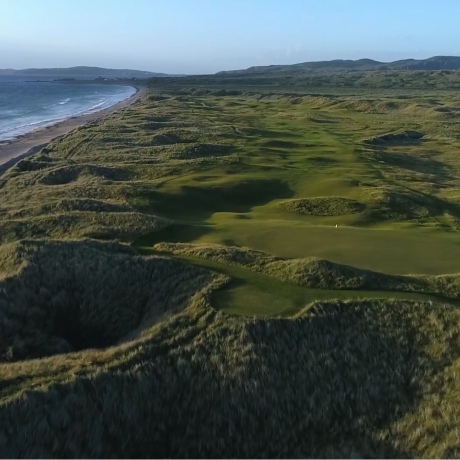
column 370, row 373
column 403, row 219
column 232, row 169
column 314, row 149
column 250, row 299
column 253, row 294
column 391, row 250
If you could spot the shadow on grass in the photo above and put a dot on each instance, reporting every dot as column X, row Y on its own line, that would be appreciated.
column 267, row 133
column 330, row 344
column 281, row 144
column 413, row 163
column 309, row 387
column 409, row 203
column 175, row 233
column 200, row 203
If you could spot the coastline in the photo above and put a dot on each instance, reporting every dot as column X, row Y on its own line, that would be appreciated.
column 27, row 144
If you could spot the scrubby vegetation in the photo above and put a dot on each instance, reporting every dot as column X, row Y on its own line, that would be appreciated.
column 323, row 206
column 290, row 285
column 83, row 294
column 344, row 380
column 401, row 137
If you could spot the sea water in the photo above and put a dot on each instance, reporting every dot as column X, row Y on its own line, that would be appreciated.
column 28, row 105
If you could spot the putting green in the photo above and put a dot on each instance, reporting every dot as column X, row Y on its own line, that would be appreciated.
column 396, row 251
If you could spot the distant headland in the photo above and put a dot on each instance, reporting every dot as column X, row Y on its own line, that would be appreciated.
column 81, row 73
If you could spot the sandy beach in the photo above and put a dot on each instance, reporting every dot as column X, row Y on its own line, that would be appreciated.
column 13, row 151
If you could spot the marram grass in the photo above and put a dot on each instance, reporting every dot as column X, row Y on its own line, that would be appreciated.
column 342, row 379
column 108, row 353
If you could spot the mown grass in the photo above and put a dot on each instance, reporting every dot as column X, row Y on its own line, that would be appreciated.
column 220, row 351
column 390, row 248
column 257, row 275
column 306, row 161
column 255, row 290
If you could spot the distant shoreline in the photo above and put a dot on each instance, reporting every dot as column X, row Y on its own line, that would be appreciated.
column 27, row 144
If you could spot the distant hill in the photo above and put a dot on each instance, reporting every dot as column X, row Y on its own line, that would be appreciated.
column 81, row 72
column 433, row 63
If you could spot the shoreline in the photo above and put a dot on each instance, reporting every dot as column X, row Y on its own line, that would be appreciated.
column 27, row 144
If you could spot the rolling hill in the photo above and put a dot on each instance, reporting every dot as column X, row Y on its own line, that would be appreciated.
column 81, row 72
column 433, row 63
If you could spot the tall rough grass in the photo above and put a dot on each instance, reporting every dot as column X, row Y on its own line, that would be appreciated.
column 91, row 183
column 341, row 380
column 67, row 296
column 323, row 206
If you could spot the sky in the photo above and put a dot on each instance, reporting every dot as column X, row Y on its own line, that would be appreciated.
column 206, row 36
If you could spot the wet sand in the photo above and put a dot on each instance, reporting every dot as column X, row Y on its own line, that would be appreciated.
column 22, row 146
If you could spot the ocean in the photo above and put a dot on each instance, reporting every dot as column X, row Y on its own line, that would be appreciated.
column 28, row 105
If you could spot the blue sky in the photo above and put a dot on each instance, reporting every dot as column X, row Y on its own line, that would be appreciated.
column 205, row 36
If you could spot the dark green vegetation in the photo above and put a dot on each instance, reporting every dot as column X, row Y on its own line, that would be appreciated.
column 285, row 286
column 335, row 77
column 444, row 63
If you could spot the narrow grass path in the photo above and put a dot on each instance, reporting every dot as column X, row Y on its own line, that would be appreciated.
column 250, row 293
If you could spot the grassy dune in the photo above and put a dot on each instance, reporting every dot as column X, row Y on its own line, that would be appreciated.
column 70, row 296
column 344, row 379
column 220, row 273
